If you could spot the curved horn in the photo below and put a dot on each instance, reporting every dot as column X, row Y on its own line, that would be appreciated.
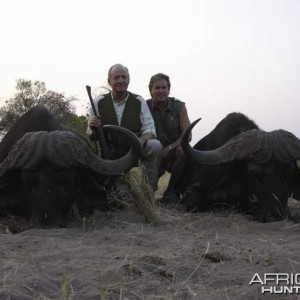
column 65, row 149
column 239, row 147
column 81, row 155
column 204, row 157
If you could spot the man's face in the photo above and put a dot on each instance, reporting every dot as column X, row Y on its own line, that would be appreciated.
column 160, row 91
column 119, row 79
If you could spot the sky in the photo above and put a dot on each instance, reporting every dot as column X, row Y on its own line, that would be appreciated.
column 221, row 55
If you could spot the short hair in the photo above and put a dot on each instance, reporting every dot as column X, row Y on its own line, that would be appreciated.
column 116, row 65
column 159, row 76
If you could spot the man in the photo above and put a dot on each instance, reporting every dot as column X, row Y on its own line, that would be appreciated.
column 123, row 108
column 171, row 119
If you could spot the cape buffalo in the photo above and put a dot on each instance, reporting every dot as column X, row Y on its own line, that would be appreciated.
column 201, row 185
column 255, row 171
column 45, row 168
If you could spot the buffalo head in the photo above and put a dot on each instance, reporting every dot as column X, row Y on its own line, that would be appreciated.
column 266, row 162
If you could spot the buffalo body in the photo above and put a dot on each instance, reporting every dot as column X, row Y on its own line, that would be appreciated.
column 254, row 170
column 45, row 169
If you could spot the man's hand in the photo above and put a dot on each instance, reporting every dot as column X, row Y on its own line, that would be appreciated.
column 142, row 141
column 94, row 122
column 143, row 138
column 165, row 152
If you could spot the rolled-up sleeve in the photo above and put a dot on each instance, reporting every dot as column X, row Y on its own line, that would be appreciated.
column 146, row 118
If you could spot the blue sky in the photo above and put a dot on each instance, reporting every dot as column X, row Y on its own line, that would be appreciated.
column 221, row 56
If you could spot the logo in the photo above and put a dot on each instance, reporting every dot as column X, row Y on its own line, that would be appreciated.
column 277, row 283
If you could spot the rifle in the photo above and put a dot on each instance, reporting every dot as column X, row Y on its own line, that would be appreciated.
column 98, row 130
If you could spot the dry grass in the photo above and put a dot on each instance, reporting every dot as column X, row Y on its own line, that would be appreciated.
column 162, row 185
column 143, row 195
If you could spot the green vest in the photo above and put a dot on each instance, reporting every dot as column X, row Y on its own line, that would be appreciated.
column 131, row 118
column 167, row 122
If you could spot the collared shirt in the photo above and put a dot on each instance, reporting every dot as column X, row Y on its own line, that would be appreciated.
column 146, row 117
column 119, row 107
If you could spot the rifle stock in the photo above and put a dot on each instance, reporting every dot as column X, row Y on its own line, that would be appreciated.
column 98, row 130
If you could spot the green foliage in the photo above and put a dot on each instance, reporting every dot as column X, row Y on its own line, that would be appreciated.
column 77, row 123
column 30, row 94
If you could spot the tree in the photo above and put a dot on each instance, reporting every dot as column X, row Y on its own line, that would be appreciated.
column 77, row 123
column 30, row 94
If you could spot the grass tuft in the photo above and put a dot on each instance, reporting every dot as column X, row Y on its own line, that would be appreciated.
column 143, row 194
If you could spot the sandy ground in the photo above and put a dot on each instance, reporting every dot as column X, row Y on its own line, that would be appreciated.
column 118, row 255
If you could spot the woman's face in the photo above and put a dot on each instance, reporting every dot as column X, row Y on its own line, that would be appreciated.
column 160, row 91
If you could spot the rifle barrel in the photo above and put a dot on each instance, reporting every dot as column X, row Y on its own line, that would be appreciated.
column 98, row 130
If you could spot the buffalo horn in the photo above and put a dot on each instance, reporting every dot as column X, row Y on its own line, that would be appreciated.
column 240, row 147
column 204, row 157
column 65, row 149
